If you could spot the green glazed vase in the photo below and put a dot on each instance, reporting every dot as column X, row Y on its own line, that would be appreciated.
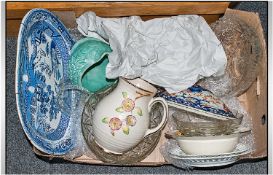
column 87, row 65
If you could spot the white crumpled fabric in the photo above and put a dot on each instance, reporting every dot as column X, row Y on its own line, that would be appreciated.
column 170, row 52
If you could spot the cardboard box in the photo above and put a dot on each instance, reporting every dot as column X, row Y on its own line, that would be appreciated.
column 254, row 99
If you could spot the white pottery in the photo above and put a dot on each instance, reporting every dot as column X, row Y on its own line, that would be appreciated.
column 121, row 119
column 208, row 145
column 207, row 160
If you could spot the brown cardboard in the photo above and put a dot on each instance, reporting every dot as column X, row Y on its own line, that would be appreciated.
column 255, row 98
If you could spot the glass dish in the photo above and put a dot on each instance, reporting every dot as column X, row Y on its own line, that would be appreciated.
column 243, row 46
column 191, row 124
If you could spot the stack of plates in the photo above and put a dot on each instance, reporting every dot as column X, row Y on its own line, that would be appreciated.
column 208, row 160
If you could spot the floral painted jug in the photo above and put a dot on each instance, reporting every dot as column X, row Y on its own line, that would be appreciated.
column 121, row 119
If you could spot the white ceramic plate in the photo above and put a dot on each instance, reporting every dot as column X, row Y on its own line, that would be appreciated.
column 239, row 150
column 208, row 160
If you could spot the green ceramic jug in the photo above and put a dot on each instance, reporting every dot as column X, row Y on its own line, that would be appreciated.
column 87, row 65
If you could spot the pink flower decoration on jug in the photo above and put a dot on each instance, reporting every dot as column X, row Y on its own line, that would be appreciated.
column 127, row 106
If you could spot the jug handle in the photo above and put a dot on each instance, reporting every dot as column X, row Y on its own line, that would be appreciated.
column 164, row 117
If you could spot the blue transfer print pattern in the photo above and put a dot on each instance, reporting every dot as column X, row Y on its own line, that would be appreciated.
column 198, row 98
column 44, row 46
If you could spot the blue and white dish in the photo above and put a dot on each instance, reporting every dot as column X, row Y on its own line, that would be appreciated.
column 198, row 100
column 42, row 60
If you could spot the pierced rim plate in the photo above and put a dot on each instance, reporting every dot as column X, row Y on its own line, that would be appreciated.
column 209, row 162
column 42, row 59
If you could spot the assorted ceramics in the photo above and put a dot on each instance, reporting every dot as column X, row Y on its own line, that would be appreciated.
column 87, row 65
column 121, row 119
column 119, row 116
column 42, row 60
column 208, row 160
column 198, row 100
column 135, row 154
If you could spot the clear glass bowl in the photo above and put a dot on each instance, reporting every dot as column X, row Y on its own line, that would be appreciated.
column 244, row 50
column 191, row 124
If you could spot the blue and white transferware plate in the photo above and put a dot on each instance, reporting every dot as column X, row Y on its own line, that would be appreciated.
column 198, row 100
column 42, row 60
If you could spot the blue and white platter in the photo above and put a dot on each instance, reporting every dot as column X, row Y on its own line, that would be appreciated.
column 42, row 60
column 198, row 100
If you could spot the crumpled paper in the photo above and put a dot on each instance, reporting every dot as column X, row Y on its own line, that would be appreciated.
column 172, row 52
